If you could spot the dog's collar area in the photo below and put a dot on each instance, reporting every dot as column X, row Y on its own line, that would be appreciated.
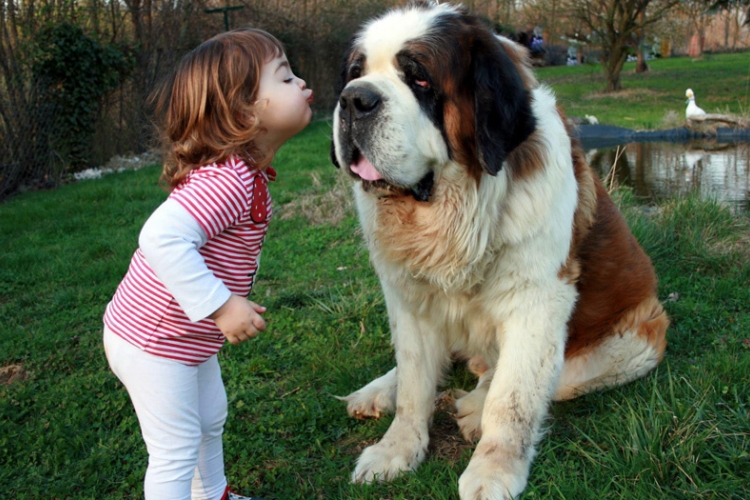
column 422, row 191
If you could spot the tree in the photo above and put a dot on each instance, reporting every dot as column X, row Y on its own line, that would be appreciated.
column 617, row 25
column 697, row 11
column 732, row 4
column 640, row 66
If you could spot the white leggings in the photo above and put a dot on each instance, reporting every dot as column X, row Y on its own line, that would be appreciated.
column 181, row 410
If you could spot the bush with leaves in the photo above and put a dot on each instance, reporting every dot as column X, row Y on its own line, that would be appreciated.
column 74, row 73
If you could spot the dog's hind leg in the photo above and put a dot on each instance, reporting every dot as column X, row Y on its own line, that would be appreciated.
column 634, row 348
column 375, row 399
column 469, row 406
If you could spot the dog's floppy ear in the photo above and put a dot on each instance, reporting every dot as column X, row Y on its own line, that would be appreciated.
column 502, row 106
column 333, row 154
column 338, row 87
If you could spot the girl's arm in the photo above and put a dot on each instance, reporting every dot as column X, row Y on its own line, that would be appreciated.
column 170, row 240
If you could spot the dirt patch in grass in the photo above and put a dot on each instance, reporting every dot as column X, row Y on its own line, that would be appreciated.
column 738, row 246
column 630, row 94
column 327, row 205
column 12, row 373
column 743, row 243
column 446, row 441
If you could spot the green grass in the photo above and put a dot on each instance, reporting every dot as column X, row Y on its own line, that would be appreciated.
column 721, row 84
column 67, row 429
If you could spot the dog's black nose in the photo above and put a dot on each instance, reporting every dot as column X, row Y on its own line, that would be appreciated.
column 364, row 100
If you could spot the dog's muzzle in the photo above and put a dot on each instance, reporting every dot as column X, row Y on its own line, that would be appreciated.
column 359, row 102
column 360, row 105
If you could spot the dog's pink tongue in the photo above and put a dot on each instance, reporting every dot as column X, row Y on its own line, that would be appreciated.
column 364, row 169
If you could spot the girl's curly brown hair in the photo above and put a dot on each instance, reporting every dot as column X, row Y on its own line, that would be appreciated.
column 206, row 108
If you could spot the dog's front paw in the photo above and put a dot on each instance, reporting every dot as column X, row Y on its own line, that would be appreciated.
column 373, row 400
column 488, row 479
column 387, row 459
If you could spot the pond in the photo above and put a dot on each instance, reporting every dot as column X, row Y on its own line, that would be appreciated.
column 659, row 170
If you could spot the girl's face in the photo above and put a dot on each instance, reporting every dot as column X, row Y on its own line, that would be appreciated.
column 284, row 102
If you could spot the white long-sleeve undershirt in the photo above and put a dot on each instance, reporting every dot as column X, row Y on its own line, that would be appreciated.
column 170, row 240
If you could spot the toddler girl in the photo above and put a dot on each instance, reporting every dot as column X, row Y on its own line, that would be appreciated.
column 230, row 105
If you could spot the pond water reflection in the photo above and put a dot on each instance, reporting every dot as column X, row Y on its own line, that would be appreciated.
column 658, row 170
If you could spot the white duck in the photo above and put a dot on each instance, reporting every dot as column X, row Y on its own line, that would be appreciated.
column 692, row 109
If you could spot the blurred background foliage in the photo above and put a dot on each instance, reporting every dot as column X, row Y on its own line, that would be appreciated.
column 75, row 75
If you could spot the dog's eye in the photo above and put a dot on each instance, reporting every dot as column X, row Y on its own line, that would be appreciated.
column 355, row 72
column 422, row 83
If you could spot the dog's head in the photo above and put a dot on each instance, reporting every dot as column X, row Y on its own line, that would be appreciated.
column 425, row 85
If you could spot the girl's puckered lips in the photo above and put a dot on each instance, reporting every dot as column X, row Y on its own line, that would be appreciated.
column 311, row 98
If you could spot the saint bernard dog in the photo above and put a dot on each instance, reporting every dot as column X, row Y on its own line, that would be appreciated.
column 494, row 242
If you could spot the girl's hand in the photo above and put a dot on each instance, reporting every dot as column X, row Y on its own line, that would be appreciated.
column 239, row 319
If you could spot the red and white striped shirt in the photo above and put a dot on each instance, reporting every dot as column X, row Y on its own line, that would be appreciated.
column 182, row 272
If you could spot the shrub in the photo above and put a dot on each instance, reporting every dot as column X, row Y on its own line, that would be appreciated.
column 74, row 72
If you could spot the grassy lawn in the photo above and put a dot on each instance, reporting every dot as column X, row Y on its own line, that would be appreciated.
column 655, row 99
column 68, row 431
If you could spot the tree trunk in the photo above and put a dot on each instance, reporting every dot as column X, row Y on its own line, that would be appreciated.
column 640, row 65
column 613, row 64
column 726, row 29
column 695, row 46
